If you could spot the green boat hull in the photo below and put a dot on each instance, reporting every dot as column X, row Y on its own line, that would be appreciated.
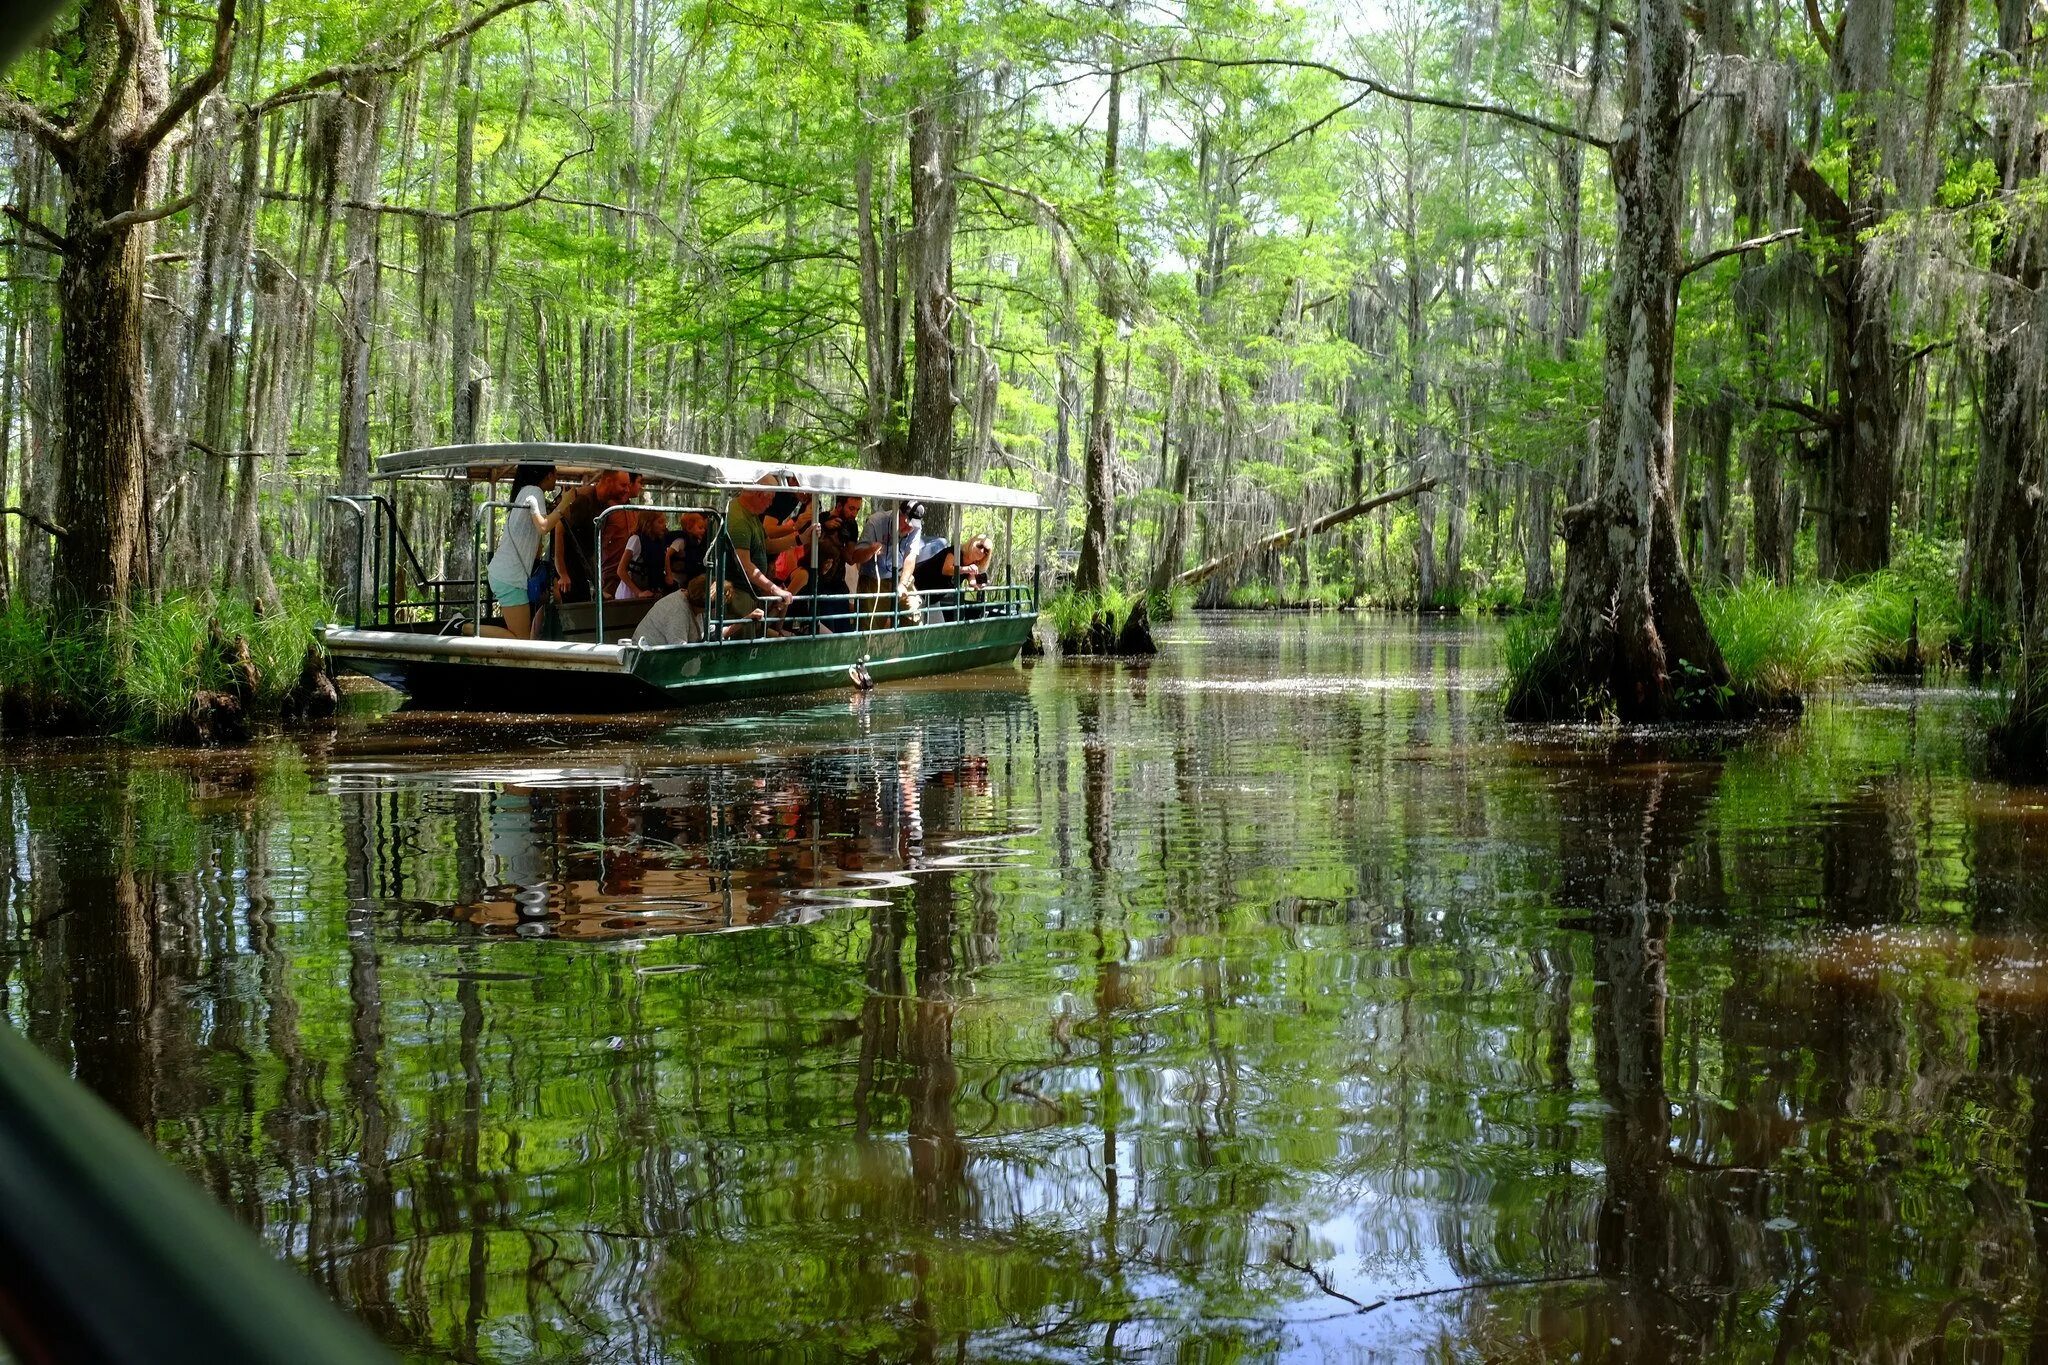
column 806, row 663
column 682, row 675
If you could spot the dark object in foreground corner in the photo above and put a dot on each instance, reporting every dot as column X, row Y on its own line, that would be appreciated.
column 107, row 1254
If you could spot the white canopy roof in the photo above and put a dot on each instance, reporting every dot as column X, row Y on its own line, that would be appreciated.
column 694, row 471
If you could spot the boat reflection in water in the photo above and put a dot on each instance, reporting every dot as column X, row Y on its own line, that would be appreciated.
column 1272, row 1000
column 665, row 841
column 634, row 850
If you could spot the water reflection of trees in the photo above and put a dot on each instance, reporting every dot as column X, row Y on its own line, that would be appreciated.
column 1277, row 1009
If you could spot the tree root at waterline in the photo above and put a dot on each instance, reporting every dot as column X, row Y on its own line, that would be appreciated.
column 1637, row 650
column 2019, row 743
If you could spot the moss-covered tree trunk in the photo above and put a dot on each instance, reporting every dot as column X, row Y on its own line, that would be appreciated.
column 1631, row 637
column 104, row 146
column 2015, row 370
column 934, row 210
column 1098, row 476
column 358, row 306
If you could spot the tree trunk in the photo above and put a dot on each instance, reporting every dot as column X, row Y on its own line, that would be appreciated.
column 103, row 556
column 1858, row 473
column 466, row 391
column 934, row 209
column 2013, row 420
column 880, row 437
column 1098, row 475
column 1766, row 500
column 1713, row 432
column 1280, row 540
column 2004, row 532
column 359, row 302
column 1538, row 580
column 1631, row 636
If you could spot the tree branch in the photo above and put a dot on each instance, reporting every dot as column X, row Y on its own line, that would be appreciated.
column 187, row 97
column 57, row 240
column 1371, row 86
column 121, row 222
column 204, row 449
column 305, row 87
column 1819, row 28
column 1827, row 421
column 1822, row 200
column 1305, row 130
column 1753, row 244
column 116, row 84
column 16, row 112
column 1282, row 539
column 1923, row 352
column 438, row 215
column 1614, row 25
column 32, row 519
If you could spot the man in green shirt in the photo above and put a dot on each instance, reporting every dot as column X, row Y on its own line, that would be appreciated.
column 753, row 550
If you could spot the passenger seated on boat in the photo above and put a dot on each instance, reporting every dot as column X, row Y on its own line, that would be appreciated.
column 840, row 552
column 671, row 621
column 515, row 572
column 895, row 536
column 683, row 555
column 640, row 567
column 752, row 554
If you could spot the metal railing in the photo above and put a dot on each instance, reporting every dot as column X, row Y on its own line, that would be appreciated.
column 379, row 535
column 383, row 550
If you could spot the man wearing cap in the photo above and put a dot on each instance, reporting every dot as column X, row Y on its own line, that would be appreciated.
column 896, row 536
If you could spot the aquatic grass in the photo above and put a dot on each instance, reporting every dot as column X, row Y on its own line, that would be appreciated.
column 1909, row 619
column 1169, row 602
column 1253, row 597
column 1778, row 643
column 50, row 676
column 1090, row 622
column 139, row 674
column 1524, row 642
column 1497, row 599
column 1783, row 642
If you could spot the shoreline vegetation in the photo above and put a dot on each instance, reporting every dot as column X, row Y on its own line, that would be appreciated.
column 1248, row 296
column 211, row 668
column 189, row 668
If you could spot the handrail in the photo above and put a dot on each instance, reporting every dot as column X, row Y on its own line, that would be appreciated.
column 107, row 1254
column 993, row 601
column 355, row 504
column 384, row 543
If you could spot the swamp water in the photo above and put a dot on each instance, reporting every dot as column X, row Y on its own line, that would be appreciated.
column 1271, row 1000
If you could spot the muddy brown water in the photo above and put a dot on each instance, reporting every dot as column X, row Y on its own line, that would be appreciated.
column 1273, row 1000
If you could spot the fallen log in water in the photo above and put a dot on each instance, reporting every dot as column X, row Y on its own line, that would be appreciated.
column 1282, row 539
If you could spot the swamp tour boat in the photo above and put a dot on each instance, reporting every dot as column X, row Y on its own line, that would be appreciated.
column 408, row 629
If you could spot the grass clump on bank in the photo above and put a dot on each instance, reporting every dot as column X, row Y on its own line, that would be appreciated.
column 1111, row 621
column 186, row 667
column 1782, row 642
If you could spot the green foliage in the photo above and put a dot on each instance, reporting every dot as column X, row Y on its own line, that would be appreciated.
column 1072, row 613
column 1253, row 597
column 1524, row 642
column 138, row 675
column 1167, row 603
column 1786, row 641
